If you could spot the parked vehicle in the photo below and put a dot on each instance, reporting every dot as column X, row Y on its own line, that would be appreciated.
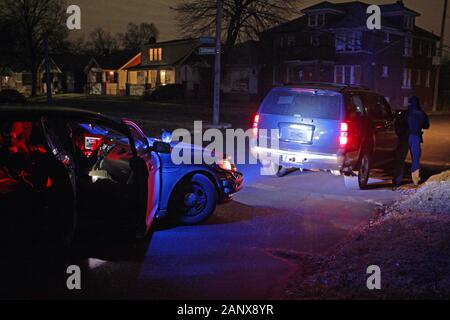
column 342, row 129
column 165, row 92
column 60, row 167
column 11, row 96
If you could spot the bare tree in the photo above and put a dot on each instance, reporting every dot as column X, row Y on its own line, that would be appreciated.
column 242, row 19
column 139, row 35
column 78, row 46
column 32, row 21
column 102, row 42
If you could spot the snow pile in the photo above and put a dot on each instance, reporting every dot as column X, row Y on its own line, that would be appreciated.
column 432, row 197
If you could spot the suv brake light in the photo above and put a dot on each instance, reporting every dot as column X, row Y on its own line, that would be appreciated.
column 343, row 138
column 256, row 124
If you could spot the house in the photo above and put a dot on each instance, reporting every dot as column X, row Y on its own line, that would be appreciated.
column 109, row 75
column 6, row 78
column 14, row 75
column 240, row 79
column 67, row 73
column 331, row 43
column 177, row 61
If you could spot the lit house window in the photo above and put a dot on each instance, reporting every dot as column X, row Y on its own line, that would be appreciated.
column 347, row 74
column 155, row 54
column 428, row 79
column 349, row 41
column 315, row 40
column 315, row 20
column 419, row 77
column 408, row 50
column 409, row 22
column 430, row 49
column 385, row 73
column 405, row 101
column 406, row 84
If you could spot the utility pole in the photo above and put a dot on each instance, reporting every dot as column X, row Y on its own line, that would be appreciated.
column 439, row 54
column 217, row 68
column 48, row 81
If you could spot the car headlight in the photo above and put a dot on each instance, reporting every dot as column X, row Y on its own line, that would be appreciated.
column 226, row 164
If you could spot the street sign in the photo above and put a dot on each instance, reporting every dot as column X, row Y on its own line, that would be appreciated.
column 207, row 40
column 207, row 51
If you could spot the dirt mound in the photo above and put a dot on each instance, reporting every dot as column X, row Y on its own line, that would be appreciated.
column 409, row 241
column 432, row 197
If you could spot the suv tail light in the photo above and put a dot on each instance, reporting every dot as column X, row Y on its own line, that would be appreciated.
column 343, row 138
column 256, row 124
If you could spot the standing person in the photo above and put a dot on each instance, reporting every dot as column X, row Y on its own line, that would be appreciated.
column 417, row 121
column 402, row 131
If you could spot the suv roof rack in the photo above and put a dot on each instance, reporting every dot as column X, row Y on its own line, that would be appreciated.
column 331, row 84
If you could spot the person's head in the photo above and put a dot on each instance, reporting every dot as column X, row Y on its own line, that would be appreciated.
column 414, row 102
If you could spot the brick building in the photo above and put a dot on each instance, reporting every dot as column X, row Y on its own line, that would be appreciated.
column 331, row 43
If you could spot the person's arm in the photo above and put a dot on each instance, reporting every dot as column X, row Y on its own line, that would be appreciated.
column 426, row 122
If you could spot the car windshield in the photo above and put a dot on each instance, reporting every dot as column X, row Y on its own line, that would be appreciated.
column 305, row 103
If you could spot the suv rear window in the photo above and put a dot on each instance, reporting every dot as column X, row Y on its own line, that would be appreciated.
column 305, row 103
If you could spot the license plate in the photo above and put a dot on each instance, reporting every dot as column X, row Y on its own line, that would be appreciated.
column 300, row 133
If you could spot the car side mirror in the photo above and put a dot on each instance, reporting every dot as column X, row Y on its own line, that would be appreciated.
column 162, row 147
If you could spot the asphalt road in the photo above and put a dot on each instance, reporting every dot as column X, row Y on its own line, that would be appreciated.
column 240, row 252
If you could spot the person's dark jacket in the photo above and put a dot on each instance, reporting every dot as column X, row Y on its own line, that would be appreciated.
column 417, row 119
column 401, row 125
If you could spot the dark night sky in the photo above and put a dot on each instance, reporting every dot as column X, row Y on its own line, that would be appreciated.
column 113, row 15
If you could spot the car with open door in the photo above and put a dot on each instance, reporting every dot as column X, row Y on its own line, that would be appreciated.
column 61, row 168
column 71, row 177
column 346, row 130
column 188, row 193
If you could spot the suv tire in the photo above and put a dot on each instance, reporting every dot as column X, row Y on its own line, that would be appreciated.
column 361, row 181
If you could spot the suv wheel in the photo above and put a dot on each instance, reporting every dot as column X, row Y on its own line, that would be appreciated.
column 361, row 181
column 364, row 171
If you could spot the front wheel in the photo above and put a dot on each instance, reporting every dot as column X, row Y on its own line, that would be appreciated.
column 194, row 200
column 361, row 181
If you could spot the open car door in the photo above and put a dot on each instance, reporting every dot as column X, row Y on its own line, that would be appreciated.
column 146, row 171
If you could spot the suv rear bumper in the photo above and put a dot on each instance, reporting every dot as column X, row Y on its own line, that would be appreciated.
column 304, row 159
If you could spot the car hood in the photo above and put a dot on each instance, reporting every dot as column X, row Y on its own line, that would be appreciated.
column 192, row 147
